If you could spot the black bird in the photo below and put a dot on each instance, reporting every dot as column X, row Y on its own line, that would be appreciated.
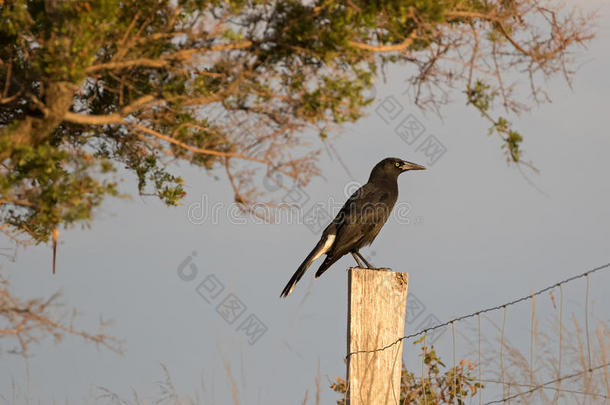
column 359, row 221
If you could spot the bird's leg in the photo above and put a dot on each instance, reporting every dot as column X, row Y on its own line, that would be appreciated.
column 368, row 265
column 357, row 261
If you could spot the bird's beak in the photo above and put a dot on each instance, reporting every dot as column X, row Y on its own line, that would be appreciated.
column 411, row 166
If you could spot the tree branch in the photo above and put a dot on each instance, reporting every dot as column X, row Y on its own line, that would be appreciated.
column 88, row 119
column 165, row 61
column 193, row 148
column 140, row 62
column 386, row 48
column 117, row 118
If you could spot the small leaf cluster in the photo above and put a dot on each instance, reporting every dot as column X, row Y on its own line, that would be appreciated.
column 435, row 387
column 481, row 96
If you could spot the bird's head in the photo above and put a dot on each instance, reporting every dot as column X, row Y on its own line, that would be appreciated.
column 391, row 168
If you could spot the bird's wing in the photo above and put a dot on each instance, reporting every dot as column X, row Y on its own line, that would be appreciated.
column 362, row 216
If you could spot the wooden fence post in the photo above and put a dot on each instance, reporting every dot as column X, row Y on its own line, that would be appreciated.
column 376, row 306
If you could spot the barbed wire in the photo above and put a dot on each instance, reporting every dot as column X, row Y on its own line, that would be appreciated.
column 482, row 311
column 541, row 386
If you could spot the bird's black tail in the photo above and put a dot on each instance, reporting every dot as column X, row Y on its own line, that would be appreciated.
column 313, row 255
column 329, row 261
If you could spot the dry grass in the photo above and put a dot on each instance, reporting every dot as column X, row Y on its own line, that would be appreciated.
column 562, row 366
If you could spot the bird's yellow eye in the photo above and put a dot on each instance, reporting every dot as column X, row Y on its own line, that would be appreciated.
column 397, row 164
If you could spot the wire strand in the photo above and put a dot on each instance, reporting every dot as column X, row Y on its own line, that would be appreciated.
column 558, row 389
column 560, row 340
column 454, row 365
column 502, row 354
column 587, row 321
column 532, row 335
column 541, row 386
column 490, row 309
column 480, row 365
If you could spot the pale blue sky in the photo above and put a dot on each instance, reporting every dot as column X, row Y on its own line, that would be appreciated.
column 479, row 235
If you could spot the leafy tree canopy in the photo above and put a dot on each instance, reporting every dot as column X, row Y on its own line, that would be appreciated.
column 91, row 86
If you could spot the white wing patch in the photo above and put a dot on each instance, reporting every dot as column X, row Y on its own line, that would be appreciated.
column 326, row 247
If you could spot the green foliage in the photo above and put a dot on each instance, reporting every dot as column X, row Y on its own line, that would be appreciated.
column 92, row 85
column 454, row 386
column 512, row 139
column 481, row 96
column 59, row 187
column 168, row 187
